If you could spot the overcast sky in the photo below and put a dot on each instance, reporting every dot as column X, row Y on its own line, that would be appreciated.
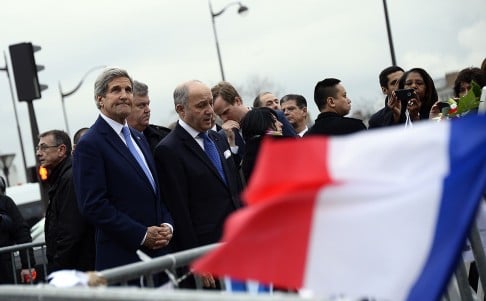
column 291, row 44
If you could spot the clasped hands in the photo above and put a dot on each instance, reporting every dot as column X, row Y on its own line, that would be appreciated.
column 157, row 237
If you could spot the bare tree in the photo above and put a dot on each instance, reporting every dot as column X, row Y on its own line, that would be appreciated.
column 255, row 85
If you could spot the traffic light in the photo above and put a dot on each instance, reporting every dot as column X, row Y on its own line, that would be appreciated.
column 25, row 71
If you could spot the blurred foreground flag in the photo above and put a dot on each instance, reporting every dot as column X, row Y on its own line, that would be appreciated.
column 383, row 213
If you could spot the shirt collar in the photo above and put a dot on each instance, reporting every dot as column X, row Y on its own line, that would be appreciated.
column 194, row 134
column 117, row 127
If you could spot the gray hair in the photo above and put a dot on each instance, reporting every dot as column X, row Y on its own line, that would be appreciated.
column 139, row 88
column 101, row 83
column 181, row 93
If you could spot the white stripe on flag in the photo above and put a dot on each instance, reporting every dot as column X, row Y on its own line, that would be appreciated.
column 349, row 238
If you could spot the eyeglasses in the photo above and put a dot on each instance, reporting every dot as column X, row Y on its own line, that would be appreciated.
column 44, row 147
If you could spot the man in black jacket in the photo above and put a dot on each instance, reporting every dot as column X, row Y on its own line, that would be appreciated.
column 333, row 103
column 69, row 238
column 140, row 116
column 13, row 230
column 390, row 113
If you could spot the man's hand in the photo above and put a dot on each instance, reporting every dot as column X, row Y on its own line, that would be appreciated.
column 166, row 233
column 228, row 127
column 157, row 237
column 207, row 280
column 395, row 105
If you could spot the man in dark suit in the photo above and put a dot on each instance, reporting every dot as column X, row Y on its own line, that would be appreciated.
column 116, row 181
column 228, row 105
column 69, row 237
column 139, row 118
column 333, row 103
column 200, row 192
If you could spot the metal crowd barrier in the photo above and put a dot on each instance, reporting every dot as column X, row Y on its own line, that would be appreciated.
column 49, row 293
column 40, row 264
column 458, row 289
column 167, row 263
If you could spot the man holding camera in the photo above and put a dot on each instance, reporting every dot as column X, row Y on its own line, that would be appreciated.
column 390, row 113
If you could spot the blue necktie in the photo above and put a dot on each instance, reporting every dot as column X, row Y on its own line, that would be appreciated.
column 136, row 155
column 212, row 152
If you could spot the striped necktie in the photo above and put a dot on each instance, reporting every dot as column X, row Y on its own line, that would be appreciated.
column 136, row 155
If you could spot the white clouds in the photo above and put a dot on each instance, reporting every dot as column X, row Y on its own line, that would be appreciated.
column 472, row 39
column 292, row 43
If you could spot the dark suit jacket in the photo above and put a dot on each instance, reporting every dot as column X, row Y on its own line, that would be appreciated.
column 329, row 123
column 115, row 195
column 196, row 196
column 69, row 237
column 154, row 134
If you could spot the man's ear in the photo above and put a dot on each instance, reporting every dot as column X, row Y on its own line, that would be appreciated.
column 384, row 90
column 62, row 149
column 179, row 109
column 330, row 101
column 98, row 99
column 238, row 101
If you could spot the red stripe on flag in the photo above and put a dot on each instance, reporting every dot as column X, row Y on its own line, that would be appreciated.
column 272, row 177
column 267, row 242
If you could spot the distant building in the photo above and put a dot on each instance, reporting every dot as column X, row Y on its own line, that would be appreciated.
column 445, row 85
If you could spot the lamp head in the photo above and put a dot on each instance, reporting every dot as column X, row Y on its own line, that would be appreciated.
column 242, row 10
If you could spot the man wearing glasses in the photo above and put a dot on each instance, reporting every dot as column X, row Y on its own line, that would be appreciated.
column 69, row 238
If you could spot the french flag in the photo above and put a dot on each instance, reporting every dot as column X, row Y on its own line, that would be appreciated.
column 381, row 214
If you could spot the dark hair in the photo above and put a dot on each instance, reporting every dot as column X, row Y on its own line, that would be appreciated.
column 430, row 92
column 466, row 76
column 324, row 89
column 299, row 100
column 60, row 137
column 227, row 92
column 257, row 122
column 3, row 186
column 387, row 71
column 79, row 133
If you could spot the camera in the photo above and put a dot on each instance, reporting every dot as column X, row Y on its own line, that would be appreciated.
column 404, row 95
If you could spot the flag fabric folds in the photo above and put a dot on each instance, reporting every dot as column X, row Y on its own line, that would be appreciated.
column 383, row 213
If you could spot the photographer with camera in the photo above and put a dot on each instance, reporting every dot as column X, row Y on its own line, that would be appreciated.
column 415, row 95
column 14, row 230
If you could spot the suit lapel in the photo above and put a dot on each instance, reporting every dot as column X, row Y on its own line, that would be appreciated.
column 194, row 147
column 120, row 147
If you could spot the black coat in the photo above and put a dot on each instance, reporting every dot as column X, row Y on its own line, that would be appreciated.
column 196, row 196
column 154, row 134
column 69, row 237
column 13, row 230
column 332, row 124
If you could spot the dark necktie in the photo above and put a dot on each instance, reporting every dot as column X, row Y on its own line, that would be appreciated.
column 212, row 152
column 136, row 155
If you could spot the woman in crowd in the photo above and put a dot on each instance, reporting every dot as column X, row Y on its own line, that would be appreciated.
column 421, row 82
column 257, row 123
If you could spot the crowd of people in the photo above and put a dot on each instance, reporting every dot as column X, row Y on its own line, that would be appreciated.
column 125, row 185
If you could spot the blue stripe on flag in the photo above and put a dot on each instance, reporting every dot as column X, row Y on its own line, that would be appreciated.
column 462, row 192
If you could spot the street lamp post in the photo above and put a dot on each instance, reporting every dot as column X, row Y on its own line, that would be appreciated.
column 241, row 9
column 5, row 163
column 72, row 92
column 388, row 30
